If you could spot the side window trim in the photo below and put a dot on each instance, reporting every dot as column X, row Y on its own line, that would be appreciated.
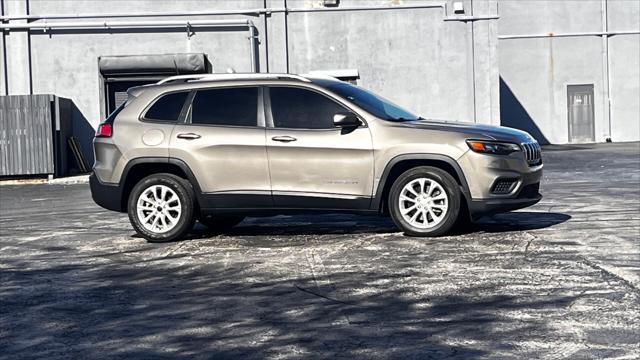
column 185, row 114
column 142, row 117
column 267, row 107
column 260, row 118
column 261, row 111
column 270, row 123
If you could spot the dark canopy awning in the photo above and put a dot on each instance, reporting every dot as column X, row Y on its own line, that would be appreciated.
column 169, row 64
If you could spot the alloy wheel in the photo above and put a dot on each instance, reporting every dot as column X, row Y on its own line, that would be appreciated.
column 159, row 208
column 423, row 203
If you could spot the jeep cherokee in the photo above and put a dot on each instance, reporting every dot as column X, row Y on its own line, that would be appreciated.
column 219, row 147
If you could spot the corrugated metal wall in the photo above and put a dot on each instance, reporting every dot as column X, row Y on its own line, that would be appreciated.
column 26, row 141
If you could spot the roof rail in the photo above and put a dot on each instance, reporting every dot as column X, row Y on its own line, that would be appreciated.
column 222, row 77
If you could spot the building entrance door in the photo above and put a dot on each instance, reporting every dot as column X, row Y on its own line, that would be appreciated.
column 580, row 113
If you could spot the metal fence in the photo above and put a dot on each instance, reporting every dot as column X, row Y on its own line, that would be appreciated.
column 26, row 141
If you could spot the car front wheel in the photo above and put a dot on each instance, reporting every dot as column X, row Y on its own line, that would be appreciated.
column 161, row 207
column 424, row 201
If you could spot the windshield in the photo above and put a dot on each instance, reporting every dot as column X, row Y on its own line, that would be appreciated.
column 376, row 105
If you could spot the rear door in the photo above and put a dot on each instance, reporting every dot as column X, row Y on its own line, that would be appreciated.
column 314, row 164
column 223, row 142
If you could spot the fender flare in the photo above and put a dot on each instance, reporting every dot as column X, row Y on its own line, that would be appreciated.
column 377, row 201
column 161, row 160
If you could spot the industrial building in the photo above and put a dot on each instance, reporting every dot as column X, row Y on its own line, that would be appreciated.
column 566, row 71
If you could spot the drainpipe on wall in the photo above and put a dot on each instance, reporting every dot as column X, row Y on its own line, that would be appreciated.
column 286, row 37
column 4, row 53
column 605, row 68
column 473, row 66
column 253, row 44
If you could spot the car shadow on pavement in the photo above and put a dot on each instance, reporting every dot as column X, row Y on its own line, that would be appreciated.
column 341, row 224
column 518, row 221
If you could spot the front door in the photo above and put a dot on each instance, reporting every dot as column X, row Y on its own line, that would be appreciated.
column 312, row 163
column 223, row 142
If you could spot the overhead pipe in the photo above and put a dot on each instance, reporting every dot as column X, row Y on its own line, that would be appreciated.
column 44, row 25
column 157, row 24
column 130, row 15
column 250, row 12
column 363, row 8
column 471, row 18
column 595, row 33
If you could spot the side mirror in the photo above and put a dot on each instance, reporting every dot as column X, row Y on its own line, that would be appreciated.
column 346, row 120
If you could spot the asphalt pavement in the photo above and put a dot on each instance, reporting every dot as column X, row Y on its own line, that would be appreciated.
column 557, row 280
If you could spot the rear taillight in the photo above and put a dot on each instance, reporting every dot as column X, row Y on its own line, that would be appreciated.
column 104, row 130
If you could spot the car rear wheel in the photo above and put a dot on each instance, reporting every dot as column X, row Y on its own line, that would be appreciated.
column 424, row 201
column 220, row 223
column 161, row 207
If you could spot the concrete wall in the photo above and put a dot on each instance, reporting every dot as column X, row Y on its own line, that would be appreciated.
column 440, row 69
column 624, row 70
column 412, row 56
column 535, row 72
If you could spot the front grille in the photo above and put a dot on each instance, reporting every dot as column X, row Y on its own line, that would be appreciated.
column 503, row 186
column 532, row 153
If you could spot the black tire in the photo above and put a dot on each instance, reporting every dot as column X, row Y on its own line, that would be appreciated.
column 448, row 184
column 182, row 188
column 220, row 223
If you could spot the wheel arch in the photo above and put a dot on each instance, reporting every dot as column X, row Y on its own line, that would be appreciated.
column 139, row 168
column 401, row 163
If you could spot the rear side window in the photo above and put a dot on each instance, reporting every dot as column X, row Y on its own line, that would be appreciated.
column 296, row 108
column 167, row 108
column 112, row 117
column 226, row 106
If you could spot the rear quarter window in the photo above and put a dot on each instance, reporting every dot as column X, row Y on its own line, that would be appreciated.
column 112, row 117
column 167, row 107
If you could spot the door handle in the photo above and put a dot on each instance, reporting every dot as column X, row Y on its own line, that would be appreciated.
column 284, row 139
column 188, row 136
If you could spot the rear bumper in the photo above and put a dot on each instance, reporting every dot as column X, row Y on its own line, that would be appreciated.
column 109, row 196
column 528, row 196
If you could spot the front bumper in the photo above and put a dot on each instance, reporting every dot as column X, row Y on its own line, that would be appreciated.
column 483, row 171
column 529, row 195
column 109, row 196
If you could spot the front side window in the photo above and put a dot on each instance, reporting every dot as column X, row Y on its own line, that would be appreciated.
column 296, row 108
column 225, row 106
column 375, row 104
column 167, row 108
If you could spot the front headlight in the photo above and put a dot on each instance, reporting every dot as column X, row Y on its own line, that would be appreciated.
column 492, row 147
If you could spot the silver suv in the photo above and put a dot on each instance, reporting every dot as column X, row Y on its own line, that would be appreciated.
column 219, row 147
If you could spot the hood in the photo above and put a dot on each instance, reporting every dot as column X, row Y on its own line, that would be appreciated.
column 478, row 131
